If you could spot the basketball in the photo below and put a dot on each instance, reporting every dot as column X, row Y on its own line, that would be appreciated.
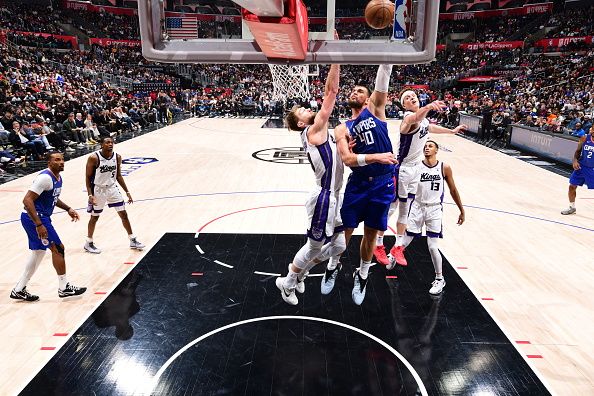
column 379, row 13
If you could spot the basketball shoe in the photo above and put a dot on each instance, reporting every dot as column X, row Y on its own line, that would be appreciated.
column 437, row 286
column 287, row 294
column 91, row 248
column 380, row 255
column 23, row 295
column 397, row 257
column 329, row 279
column 134, row 244
column 71, row 290
column 359, row 288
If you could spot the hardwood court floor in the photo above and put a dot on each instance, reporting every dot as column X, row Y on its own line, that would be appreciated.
column 256, row 344
column 529, row 262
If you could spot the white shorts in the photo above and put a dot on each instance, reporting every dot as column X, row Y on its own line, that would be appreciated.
column 429, row 215
column 408, row 180
column 106, row 195
column 323, row 214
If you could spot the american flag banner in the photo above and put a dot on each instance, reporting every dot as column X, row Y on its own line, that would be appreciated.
column 181, row 27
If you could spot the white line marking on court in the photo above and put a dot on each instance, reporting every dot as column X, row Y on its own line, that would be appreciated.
column 314, row 275
column 223, row 264
column 196, row 236
column 155, row 380
column 266, row 273
column 199, row 249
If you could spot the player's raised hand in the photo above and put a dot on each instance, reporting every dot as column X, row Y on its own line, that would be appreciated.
column 461, row 128
column 437, row 105
column 385, row 158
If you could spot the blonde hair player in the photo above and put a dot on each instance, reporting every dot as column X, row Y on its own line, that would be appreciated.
column 414, row 132
column 427, row 208
column 325, row 236
column 102, row 175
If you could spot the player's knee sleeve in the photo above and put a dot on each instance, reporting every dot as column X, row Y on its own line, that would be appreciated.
column 338, row 245
column 403, row 211
column 308, row 252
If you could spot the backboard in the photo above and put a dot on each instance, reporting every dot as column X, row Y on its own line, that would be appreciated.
column 187, row 37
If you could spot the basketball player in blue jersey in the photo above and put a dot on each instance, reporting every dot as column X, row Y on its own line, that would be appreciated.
column 103, row 174
column 414, row 132
column 39, row 202
column 370, row 188
column 427, row 208
column 583, row 165
column 325, row 235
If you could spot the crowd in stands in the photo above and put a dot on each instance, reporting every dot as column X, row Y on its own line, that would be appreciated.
column 33, row 18
column 59, row 99
column 43, row 108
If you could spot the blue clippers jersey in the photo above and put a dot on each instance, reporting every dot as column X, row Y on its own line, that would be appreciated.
column 371, row 137
column 587, row 156
column 46, row 202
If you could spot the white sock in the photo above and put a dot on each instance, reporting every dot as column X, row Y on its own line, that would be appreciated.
column 30, row 267
column 131, row 236
column 63, row 282
column 572, row 205
column 305, row 271
column 407, row 240
column 380, row 240
column 399, row 240
column 438, row 277
column 364, row 269
column 333, row 262
column 291, row 279
column 89, row 240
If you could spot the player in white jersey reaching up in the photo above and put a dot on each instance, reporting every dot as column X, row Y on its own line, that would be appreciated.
column 102, row 175
column 325, row 235
column 414, row 132
column 427, row 208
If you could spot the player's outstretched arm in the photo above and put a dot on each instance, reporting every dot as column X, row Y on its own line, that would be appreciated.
column 351, row 159
column 449, row 177
column 330, row 92
column 379, row 97
column 412, row 119
column 443, row 130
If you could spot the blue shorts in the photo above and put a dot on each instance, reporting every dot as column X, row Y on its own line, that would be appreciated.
column 368, row 201
column 31, row 230
column 582, row 176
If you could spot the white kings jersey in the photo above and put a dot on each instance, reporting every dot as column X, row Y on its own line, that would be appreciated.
column 431, row 189
column 106, row 171
column 412, row 144
column 325, row 161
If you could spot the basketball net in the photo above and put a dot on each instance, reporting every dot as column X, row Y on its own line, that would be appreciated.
column 290, row 82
